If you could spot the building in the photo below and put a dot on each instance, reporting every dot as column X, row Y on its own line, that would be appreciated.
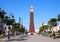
column 56, row 28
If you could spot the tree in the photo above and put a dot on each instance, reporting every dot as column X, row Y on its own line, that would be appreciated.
column 43, row 27
column 58, row 17
column 52, row 22
column 17, row 28
column 9, row 22
column 2, row 13
column 22, row 29
column 5, row 19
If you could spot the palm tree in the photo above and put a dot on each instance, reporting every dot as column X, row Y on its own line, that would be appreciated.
column 5, row 19
column 17, row 28
column 52, row 22
column 58, row 17
column 9, row 22
column 2, row 13
column 43, row 27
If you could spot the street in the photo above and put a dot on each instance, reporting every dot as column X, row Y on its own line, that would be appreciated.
column 32, row 38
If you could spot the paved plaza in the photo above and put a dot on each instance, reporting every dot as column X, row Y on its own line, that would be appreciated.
column 32, row 38
column 41, row 38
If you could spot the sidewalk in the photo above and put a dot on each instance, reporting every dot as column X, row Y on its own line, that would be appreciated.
column 11, row 37
column 1, row 40
column 41, row 38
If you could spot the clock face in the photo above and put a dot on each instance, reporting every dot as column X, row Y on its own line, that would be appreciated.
column 31, row 10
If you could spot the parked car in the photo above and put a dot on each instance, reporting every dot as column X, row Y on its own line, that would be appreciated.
column 57, row 35
column 2, row 35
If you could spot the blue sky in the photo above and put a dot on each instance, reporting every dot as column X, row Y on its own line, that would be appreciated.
column 43, row 10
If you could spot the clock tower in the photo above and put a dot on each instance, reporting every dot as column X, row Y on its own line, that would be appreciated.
column 31, row 28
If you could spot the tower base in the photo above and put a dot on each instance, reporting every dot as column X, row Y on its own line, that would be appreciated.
column 31, row 33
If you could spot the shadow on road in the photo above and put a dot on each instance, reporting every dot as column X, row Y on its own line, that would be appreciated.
column 10, row 40
column 25, row 36
column 15, row 39
column 18, row 39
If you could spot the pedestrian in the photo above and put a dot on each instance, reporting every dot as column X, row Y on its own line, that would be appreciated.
column 53, row 35
column 39, row 32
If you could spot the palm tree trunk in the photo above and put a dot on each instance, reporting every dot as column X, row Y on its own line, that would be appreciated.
column 8, row 35
column 9, row 32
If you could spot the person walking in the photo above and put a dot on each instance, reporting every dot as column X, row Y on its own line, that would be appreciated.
column 54, row 35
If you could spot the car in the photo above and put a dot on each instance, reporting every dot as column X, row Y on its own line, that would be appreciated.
column 57, row 35
column 2, row 35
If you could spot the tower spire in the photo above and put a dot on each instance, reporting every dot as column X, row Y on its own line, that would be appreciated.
column 31, row 8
